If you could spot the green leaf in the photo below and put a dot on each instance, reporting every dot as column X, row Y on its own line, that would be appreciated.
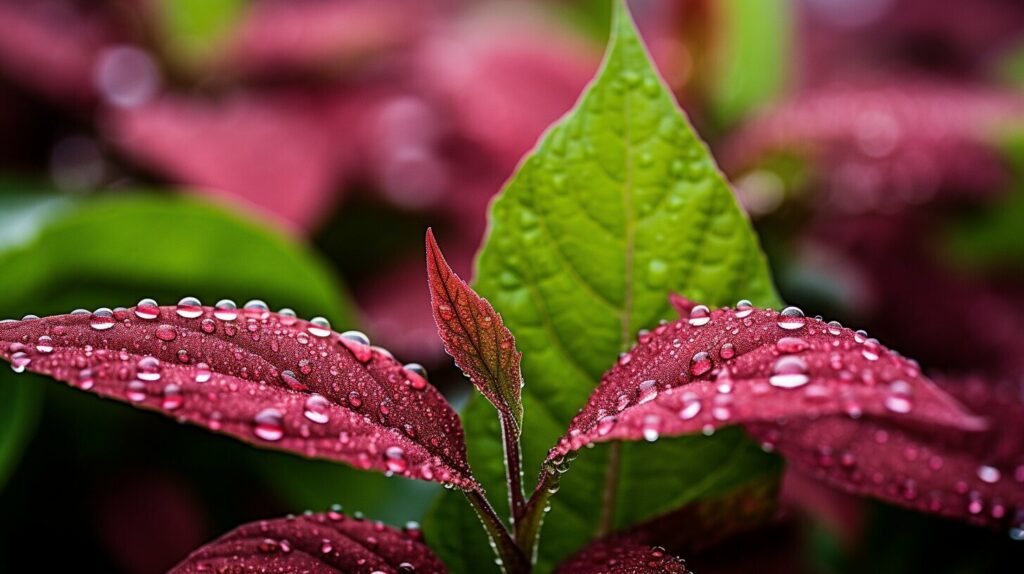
column 619, row 204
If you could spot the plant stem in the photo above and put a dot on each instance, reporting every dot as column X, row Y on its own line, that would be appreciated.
column 512, row 559
column 513, row 467
column 528, row 527
column 611, row 489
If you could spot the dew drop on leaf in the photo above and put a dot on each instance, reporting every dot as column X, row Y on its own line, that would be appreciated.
column 316, row 409
column 269, row 424
column 189, row 308
column 792, row 318
column 319, row 327
column 789, row 372
column 147, row 309
column 102, row 319
column 226, row 310
column 700, row 315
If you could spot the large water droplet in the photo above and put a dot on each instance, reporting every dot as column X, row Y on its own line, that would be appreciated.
column 148, row 369
column 44, row 344
column 203, row 373
column 744, row 308
column 317, row 409
column 651, row 426
column 189, row 308
column 293, row 382
column 791, row 345
column 700, row 364
column 791, row 319
column 102, row 319
column 691, row 406
column 172, row 397
column 226, row 310
column 166, row 333
column 605, row 425
column 700, row 315
column 20, row 361
column 789, row 372
column 416, row 369
column 269, row 424
column 147, row 309
column 136, row 392
column 257, row 309
column 319, row 327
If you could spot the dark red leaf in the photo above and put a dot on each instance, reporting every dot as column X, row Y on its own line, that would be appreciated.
column 475, row 336
column 812, row 389
column 617, row 557
column 732, row 366
column 266, row 378
column 328, row 543
column 977, row 476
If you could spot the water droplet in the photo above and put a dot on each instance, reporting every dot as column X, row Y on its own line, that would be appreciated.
column 650, row 427
column 445, row 311
column 358, row 344
column 355, row 399
column 148, row 369
column 166, row 333
column 727, row 351
column 700, row 364
column 791, row 319
column 871, row 349
column 102, row 319
column 44, row 344
column 288, row 316
column 691, row 406
column 226, row 310
column 20, row 361
column 899, row 397
column 172, row 397
column 256, row 308
column 989, row 474
column 269, row 424
column 416, row 368
column 147, row 309
column 317, row 409
column 394, row 459
column 189, row 308
column 319, row 327
column 203, row 373
column 744, row 308
column 136, row 391
column 791, row 345
column 289, row 378
column 834, row 328
column 647, row 391
column 789, row 372
column 700, row 315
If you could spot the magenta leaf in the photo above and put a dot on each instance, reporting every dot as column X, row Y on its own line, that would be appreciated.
column 976, row 476
column 268, row 379
column 614, row 557
column 328, row 543
column 475, row 336
column 780, row 373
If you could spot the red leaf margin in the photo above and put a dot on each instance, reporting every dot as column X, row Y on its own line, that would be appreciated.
column 327, row 543
column 621, row 557
column 268, row 379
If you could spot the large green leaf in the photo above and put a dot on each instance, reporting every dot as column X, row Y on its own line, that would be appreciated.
column 618, row 205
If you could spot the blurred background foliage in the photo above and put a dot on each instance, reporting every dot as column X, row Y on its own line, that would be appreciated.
column 295, row 150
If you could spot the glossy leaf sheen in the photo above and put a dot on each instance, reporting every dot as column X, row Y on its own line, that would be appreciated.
column 619, row 204
column 264, row 378
column 330, row 543
column 475, row 336
column 733, row 366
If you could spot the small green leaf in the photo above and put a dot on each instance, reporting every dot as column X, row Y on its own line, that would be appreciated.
column 618, row 205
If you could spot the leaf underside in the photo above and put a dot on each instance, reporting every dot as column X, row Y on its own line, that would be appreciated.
column 268, row 379
column 329, row 543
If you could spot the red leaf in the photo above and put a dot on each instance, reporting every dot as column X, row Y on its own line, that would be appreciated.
column 769, row 371
column 732, row 366
column 266, row 378
column 615, row 557
column 316, row 544
column 977, row 476
column 475, row 336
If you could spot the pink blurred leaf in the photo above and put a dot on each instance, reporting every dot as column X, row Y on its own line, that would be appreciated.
column 329, row 543
column 887, row 146
column 268, row 379
column 475, row 336
column 616, row 557
column 271, row 152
